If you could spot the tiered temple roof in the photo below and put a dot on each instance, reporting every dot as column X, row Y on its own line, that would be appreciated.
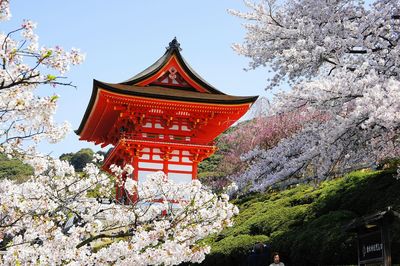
column 169, row 83
column 164, row 118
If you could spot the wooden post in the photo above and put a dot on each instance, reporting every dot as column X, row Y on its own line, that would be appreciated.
column 387, row 254
column 135, row 164
column 165, row 166
column 358, row 249
column 194, row 170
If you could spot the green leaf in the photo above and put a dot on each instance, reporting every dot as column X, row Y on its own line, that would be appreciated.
column 47, row 54
column 51, row 77
column 54, row 98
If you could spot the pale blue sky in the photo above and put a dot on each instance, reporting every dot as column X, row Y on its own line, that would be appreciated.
column 121, row 38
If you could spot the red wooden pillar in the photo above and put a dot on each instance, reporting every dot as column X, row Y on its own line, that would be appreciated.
column 194, row 170
column 165, row 166
column 135, row 164
column 166, row 157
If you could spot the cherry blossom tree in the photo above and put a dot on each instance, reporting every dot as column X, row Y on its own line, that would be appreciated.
column 342, row 60
column 263, row 131
column 51, row 218
column 25, row 118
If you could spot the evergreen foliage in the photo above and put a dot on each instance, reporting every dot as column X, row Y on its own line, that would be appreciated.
column 306, row 223
column 14, row 169
column 78, row 159
column 82, row 157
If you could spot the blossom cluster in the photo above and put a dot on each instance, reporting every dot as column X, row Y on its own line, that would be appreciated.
column 25, row 117
column 51, row 219
column 5, row 13
column 301, row 39
column 342, row 59
column 263, row 131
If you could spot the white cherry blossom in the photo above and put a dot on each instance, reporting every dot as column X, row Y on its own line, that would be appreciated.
column 53, row 219
column 342, row 59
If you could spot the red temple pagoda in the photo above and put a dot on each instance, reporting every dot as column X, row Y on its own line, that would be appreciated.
column 164, row 118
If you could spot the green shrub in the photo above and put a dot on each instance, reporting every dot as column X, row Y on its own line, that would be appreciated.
column 306, row 223
column 78, row 159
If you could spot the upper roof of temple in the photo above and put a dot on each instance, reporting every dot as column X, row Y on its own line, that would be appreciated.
column 170, row 78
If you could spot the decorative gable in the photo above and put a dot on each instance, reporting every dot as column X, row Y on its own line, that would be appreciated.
column 172, row 74
column 172, row 78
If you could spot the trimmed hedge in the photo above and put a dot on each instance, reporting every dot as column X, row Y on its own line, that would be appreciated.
column 305, row 223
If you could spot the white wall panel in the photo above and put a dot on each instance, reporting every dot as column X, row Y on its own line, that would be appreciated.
column 174, row 159
column 157, row 157
column 186, row 160
column 157, row 166
column 158, row 125
column 145, row 157
column 148, row 124
column 180, row 167
column 180, row 178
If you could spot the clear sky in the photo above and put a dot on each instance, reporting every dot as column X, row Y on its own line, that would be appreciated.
column 122, row 37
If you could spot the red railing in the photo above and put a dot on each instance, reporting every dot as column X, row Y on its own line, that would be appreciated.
column 167, row 138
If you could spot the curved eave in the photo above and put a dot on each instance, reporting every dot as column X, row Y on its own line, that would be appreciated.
column 162, row 61
column 88, row 108
column 163, row 94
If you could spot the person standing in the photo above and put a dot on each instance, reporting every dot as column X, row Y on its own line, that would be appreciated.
column 277, row 261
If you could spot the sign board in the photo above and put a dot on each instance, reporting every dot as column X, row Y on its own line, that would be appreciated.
column 370, row 247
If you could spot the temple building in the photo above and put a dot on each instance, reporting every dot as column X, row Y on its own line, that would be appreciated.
column 164, row 118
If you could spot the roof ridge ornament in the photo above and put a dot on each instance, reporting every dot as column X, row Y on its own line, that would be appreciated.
column 174, row 44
